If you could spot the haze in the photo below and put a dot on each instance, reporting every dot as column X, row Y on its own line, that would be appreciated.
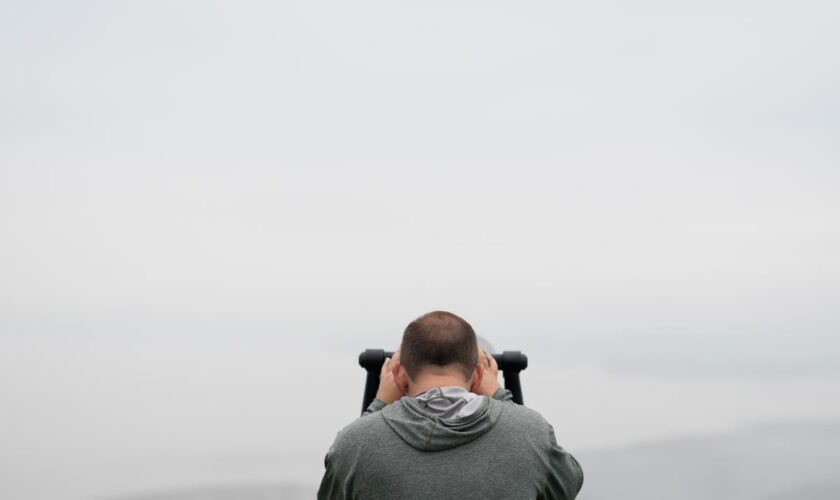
column 208, row 209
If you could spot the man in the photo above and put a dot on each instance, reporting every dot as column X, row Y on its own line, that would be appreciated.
column 442, row 427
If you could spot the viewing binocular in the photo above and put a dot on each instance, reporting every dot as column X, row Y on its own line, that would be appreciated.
column 510, row 364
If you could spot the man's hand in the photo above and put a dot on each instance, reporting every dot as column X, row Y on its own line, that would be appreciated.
column 388, row 390
column 490, row 381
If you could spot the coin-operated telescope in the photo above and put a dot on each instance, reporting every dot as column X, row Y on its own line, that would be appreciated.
column 510, row 364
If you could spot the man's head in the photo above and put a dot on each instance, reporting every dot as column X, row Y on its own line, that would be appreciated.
column 439, row 341
column 438, row 349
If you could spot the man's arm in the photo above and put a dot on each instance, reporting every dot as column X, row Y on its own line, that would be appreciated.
column 388, row 391
column 489, row 384
column 503, row 394
column 374, row 406
column 565, row 476
column 331, row 485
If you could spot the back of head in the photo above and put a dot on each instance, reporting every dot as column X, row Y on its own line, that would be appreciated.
column 439, row 339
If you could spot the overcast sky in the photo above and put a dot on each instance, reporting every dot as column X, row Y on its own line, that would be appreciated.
column 208, row 206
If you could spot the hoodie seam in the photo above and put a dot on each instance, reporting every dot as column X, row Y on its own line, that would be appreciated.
column 431, row 433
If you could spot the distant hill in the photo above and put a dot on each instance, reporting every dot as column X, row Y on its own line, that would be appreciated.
column 762, row 462
column 229, row 492
column 827, row 491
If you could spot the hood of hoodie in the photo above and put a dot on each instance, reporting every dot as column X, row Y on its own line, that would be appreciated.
column 425, row 429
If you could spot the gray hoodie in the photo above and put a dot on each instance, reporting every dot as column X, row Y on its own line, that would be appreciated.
column 449, row 444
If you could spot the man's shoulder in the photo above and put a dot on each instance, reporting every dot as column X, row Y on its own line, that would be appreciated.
column 364, row 429
column 521, row 413
column 522, row 420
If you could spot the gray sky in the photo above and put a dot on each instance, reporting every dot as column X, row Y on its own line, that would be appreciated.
column 207, row 210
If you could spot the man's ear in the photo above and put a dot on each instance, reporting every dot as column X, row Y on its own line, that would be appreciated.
column 400, row 376
column 477, row 377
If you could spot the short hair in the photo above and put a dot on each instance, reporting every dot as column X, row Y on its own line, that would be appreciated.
column 439, row 338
